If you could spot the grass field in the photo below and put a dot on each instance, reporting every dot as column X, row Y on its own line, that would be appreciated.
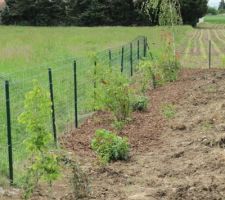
column 215, row 19
column 28, row 47
column 27, row 52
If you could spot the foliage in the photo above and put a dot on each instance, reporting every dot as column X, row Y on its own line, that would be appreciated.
column 110, row 147
column 112, row 92
column 43, row 161
column 98, row 12
column 140, row 103
column 212, row 11
column 221, row 5
column 79, row 180
column 192, row 10
column 119, row 125
column 166, row 12
column 168, row 64
column 31, row 12
column 161, row 68
column 169, row 111
column 147, row 71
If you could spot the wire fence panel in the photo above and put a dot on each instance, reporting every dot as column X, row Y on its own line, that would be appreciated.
column 62, row 93
column 125, row 59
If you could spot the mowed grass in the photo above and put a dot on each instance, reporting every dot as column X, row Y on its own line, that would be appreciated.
column 27, row 52
column 215, row 19
column 28, row 47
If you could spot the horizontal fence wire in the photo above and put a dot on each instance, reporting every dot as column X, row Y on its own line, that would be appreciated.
column 22, row 82
column 197, row 55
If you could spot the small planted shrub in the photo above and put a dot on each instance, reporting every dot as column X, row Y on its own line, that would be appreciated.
column 119, row 125
column 170, row 68
column 146, row 75
column 168, row 62
column 78, row 179
column 110, row 147
column 140, row 103
column 113, row 93
column 44, row 163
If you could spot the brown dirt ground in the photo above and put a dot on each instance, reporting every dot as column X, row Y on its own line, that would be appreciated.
column 182, row 158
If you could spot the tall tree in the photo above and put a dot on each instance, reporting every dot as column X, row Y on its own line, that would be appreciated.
column 101, row 12
column 192, row 10
column 50, row 12
column 88, row 12
column 222, row 5
column 34, row 12
column 9, row 14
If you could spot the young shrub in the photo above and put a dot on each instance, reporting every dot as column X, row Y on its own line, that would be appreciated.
column 168, row 63
column 113, row 93
column 140, row 103
column 43, row 163
column 145, row 75
column 78, row 179
column 110, row 147
column 119, row 125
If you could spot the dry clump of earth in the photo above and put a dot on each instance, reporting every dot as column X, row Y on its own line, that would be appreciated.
column 176, row 158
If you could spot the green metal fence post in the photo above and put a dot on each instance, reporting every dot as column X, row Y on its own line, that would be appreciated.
column 210, row 54
column 95, row 84
column 131, row 59
column 75, row 93
column 110, row 58
column 9, row 135
column 122, row 60
column 138, row 50
column 52, row 104
column 145, row 46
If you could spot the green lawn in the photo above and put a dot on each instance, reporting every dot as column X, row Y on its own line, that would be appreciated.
column 215, row 19
column 27, row 52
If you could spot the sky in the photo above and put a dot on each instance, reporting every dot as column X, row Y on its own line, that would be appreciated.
column 214, row 3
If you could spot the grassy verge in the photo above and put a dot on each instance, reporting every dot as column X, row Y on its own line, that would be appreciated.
column 215, row 19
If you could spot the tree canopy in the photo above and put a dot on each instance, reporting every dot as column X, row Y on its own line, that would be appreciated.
column 94, row 12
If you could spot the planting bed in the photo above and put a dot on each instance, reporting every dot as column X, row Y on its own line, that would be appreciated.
column 178, row 158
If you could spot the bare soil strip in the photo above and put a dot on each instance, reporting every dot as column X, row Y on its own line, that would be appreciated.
column 180, row 158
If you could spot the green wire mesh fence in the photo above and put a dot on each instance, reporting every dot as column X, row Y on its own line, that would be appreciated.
column 63, row 89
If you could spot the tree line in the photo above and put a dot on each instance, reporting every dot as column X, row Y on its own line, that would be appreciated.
column 91, row 12
column 215, row 11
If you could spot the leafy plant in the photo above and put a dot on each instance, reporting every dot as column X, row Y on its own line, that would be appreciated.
column 140, row 103
column 113, row 92
column 169, row 111
column 119, row 125
column 169, row 65
column 146, row 74
column 78, row 179
column 43, row 161
column 110, row 147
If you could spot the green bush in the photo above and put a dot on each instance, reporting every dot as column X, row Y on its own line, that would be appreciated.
column 110, row 147
column 147, row 71
column 43, row 164
column 170, row 68
column 140, row 103
column 113, row 92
